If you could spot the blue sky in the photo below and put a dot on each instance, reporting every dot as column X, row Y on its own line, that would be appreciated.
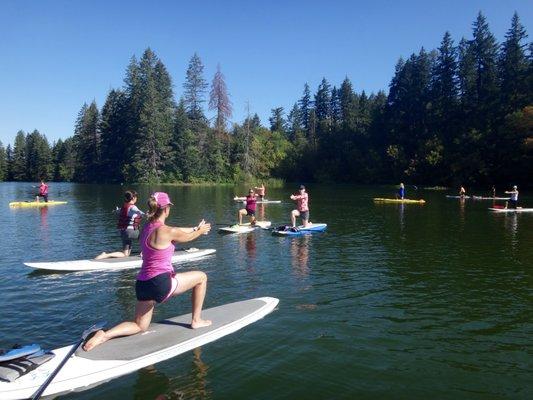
column 56, row 55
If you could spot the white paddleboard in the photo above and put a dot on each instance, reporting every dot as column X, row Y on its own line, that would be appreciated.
column 245, row 228
column 124, row 355
column 511, row 210
column 115, row 263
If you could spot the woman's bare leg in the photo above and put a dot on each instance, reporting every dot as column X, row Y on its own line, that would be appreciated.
column 197, row 281
column 294, row 214
column 115, row 254
column 143, row 316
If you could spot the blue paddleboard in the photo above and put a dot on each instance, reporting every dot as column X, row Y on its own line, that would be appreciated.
column 301, row 230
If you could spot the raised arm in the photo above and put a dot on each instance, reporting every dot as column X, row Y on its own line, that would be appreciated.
column 184, row 235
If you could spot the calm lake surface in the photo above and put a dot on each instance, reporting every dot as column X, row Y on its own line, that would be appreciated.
column 392, row 302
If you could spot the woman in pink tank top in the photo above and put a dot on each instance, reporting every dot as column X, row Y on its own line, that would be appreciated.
column 157, row 282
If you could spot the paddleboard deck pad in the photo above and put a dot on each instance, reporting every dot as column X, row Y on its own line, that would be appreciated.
column 511, row 210
column 245, row 228
column 121, row 356
column 35, row 203
column 116, row 263
column 406, row 201
column 300, row 230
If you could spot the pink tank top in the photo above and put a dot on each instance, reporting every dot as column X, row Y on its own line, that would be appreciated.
column 155, row 261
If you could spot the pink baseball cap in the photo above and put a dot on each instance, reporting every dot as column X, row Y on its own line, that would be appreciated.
column 162, row 199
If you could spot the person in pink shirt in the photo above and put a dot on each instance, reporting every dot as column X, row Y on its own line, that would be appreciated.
column 302, row 207
column 250, row 208
column 157, row 281
column 43, row 192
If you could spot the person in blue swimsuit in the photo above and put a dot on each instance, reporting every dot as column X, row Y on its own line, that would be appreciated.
column 401, row 192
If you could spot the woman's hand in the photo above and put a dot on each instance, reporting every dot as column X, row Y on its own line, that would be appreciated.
column 203, row 227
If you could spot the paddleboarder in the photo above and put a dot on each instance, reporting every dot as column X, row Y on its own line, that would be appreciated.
column 462, row 192
column 157, row 281
column 302, row 207
column 250, row 208
column 129, row 220
column 513, row 201
column 43, row 192
column 401, row 192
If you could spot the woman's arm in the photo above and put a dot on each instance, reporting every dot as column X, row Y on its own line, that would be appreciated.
column 236, row 198
column 183, row 235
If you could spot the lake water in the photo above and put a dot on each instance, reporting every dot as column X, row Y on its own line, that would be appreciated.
column 392, row 302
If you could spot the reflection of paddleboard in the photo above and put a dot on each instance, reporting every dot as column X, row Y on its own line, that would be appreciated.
column 245, row 228
column 384, row 200
column 12, row 354
column 121, row 356
column 489, row 198
column 115, row 263
column 301, row 230
column 35, row 203
column 510, row 210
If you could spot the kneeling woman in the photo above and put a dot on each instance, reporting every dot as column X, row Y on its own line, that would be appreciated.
column 157, row 282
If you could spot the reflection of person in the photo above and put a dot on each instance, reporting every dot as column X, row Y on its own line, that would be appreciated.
column 302, row 207
column 43, row 192
column 401, row 192
column 157, row 282
column 129, row 219
column 249, row 209
column 261, row 191
column 513, row 201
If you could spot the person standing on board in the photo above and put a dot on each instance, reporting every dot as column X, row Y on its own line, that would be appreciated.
column 157, row 281
column 250, row 208
column 493, row 191
column 129, row 220
column 302, row 207
column 261, row 191
column 401, row 192
column 462, row 192
column 43, row 192
column 513, row 201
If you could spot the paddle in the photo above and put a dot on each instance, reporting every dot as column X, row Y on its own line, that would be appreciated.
column 85, row 334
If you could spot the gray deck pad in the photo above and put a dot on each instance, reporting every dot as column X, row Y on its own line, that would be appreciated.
column 135, row 258
column 170, row 332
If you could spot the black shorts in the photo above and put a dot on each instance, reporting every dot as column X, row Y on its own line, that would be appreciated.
column 513, row 203
column 128, row 236
column 250, row 212
column 44, row 196
column 304, row 215
column 157, row 289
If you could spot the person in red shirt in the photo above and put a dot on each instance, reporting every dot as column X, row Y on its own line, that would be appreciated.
column 43, row 192
column 302, row 207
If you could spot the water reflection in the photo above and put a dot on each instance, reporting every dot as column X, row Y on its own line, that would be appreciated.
column 153, row 384
column 300, row 255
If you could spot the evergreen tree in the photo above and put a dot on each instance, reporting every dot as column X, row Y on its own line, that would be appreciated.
column 18, row 165
column 38, row 157
column 87, row 144
column 9, row 163
column 348, row 105
column 194, row 88
column 185, row 149
column 277, row 122
column 116, row 139
column 294, row 122
column 3, row 163
column 513, row 69
column 335, row 107
column 322, row 101
column 305, row 107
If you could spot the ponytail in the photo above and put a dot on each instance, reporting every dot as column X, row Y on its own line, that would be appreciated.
column 154, row 211
column 129, row 195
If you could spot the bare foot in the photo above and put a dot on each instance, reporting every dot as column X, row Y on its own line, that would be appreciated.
column 101, row 256
column 98, row 338
column 200, row 323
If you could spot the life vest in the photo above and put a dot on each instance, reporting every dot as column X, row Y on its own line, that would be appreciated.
column 124, row 220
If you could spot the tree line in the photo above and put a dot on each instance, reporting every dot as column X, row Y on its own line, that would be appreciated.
column 462, row 113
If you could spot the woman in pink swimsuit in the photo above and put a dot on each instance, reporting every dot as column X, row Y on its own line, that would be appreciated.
column 157, row 282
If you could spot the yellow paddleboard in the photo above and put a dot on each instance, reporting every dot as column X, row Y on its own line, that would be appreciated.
column 35, row 203
column 382, row 200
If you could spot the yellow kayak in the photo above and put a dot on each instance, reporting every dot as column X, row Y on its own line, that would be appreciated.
column 382, row 200
column 35, row 203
